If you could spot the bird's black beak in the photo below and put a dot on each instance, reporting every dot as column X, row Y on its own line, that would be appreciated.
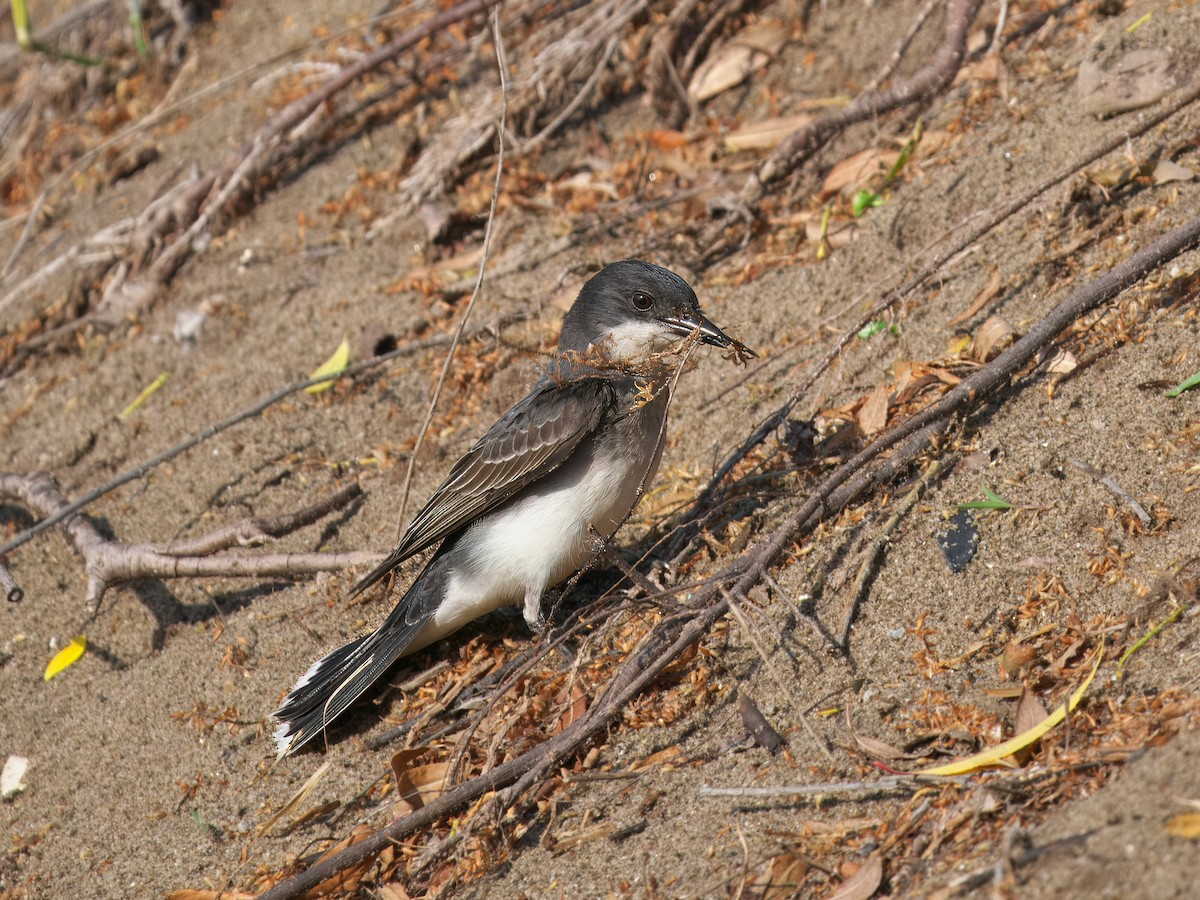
column 694, row 321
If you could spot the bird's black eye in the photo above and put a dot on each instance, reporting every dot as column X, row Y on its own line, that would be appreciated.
column 641, row 300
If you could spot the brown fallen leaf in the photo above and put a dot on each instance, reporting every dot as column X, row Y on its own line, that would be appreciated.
column 765, row 134
column 851, row 174
column 420, row 785
column 1063, row 362
column 1030, row 711
column 666, row 756
column 1015, row 657
column 982, row 299
column 416, row 785
column 993, row 337
column 872, row 415
column 1136, row 79
column 873, row 746
column 668, row 139
column 781, row 878
column 863, row 883
column 733, row 62
column 1166, row 171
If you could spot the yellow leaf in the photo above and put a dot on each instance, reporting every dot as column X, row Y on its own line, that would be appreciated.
column 1184, row 825
column 331, row 366
column 143, row 397
column 66, row 657
column 995, row 755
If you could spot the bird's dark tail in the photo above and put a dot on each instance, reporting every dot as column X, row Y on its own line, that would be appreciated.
column 339, row 678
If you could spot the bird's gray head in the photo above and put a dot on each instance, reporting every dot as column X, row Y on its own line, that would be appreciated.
column 632, row 309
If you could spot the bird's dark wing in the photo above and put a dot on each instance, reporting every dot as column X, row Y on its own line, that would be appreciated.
column 526, row 443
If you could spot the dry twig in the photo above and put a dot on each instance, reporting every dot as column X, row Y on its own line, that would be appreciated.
column 109, row 563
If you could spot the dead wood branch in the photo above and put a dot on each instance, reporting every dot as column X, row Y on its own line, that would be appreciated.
column 109, row 563
column 678, row 631
column 502, row 66
column 800, row 145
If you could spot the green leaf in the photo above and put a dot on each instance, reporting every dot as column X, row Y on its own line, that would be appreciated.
column 877, row 326
column 993, row 501
column 1185, row 385
column 864, row 200
column 907, row 152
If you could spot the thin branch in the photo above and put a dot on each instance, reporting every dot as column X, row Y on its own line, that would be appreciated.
column 237, row 173
column 109, row 563
column 487, row 246
column 893, row 62
column 889, row 783
column 801, row 144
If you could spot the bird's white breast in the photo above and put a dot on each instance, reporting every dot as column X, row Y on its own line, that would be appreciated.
column 548, row 532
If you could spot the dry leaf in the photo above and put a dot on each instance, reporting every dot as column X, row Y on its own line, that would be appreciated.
column 993, row 337
column 575, row 709
column 782, row 877
column 851, row 174
column 981, row 300
column 1184, row 825
column 872, row 415
column 873, row 746
column 1166, row 171
column 1015, row 657
column 766, row 134
column 1062, row 363
column 419, row 785
column 735, row 61
column 668, row 755
column 666, row 139
column 863, row 883
column 1139, row 78
column 1030, row 712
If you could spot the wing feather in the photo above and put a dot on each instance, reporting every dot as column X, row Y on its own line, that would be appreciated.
column 528, row 442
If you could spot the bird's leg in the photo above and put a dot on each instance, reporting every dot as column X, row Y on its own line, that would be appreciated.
column 532, row 610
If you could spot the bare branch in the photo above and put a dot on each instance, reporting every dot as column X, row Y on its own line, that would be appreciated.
column 800, row 145
column 109, row 563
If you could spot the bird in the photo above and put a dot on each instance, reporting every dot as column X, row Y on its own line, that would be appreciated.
column 529, row 504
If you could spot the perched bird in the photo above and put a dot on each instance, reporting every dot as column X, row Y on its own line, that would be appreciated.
column 527, row 505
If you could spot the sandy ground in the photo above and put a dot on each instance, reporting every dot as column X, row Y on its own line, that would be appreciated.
column 150, row 760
